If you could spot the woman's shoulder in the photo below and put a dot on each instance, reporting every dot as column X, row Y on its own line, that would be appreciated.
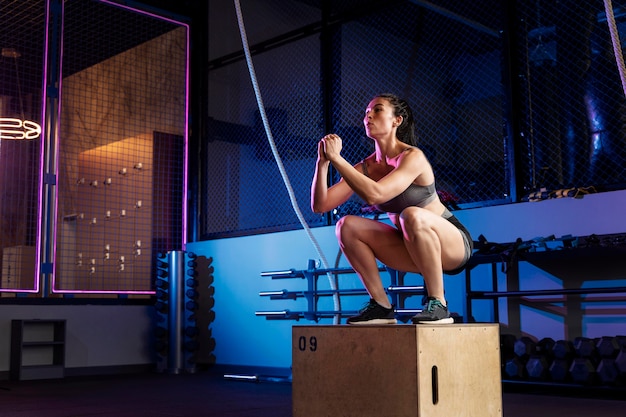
column 413, row 153
column 415, row 159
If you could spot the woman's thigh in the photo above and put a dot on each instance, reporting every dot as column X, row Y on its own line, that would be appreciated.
column 450, row 238
column 385, row 241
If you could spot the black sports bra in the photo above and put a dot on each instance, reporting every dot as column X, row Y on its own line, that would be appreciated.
column 414, row 195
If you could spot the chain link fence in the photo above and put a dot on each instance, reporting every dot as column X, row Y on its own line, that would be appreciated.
column 470, row 70
column 121, row 149
column 87, row 204
column 514, row 101
column 571, row 101
column 445, row 59
column 22, row 42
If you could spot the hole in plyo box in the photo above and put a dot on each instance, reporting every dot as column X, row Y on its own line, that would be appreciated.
column 435, row 382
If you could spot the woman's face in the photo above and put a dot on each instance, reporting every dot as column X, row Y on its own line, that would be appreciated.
column 379, row 119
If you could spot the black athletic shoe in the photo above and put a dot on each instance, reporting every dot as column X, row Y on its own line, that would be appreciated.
column 373, row 313
column 433, row 313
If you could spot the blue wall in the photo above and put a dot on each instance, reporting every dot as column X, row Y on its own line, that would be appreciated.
column 244, row 339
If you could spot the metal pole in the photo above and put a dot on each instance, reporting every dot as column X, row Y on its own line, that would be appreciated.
column 175, row 293
column 49, row 145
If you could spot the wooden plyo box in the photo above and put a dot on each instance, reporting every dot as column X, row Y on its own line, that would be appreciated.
column 396, row 371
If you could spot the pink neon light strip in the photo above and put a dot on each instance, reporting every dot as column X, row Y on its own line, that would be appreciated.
column 185, row 176
column 44, row 127
column 186, row 143
column 56, row 147
column 147, row 292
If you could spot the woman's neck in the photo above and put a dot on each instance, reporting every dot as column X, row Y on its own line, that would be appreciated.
column 388, row 149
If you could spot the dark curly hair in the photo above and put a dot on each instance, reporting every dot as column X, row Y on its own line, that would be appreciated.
column 406, row 130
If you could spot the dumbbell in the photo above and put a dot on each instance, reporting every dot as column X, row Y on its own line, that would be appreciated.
column 583, row 371
column 607, row 371
column 563, row 349
column 537, row 366
column 515, row 368
column 585, row 348
column 524, row 347
column 608, row 347
column 562, row 352
column 559, row 370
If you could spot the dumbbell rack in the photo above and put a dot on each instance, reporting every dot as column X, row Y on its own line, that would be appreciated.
column 583, row 362
column 577, row 360
column 397, row 291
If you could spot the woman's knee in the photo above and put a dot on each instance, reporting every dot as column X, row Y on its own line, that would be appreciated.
column 414, row 220
column 344, row 226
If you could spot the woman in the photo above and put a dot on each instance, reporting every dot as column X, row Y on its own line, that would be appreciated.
column 398, row 179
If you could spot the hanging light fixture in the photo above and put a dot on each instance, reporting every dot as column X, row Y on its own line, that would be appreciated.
column 17, row 128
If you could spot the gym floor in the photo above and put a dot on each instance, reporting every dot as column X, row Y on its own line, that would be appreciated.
column 207, row 393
